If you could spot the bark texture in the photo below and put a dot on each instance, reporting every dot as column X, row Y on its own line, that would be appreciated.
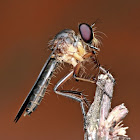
column 101, row 123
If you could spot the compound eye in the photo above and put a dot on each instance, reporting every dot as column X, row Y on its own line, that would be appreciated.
column 86, row 32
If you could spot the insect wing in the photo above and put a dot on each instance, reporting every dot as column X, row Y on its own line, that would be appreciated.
column 27, row 99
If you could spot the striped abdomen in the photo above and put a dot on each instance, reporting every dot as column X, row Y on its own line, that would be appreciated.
column 39, row 89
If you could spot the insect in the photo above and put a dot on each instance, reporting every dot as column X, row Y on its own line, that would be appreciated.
column 70, row 48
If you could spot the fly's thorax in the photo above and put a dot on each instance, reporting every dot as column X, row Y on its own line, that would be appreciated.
column 69, row 48
column 70, row 52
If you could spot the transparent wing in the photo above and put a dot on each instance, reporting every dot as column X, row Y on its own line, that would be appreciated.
column 47, row 64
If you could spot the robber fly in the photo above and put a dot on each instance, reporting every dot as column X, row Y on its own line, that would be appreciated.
column 69, row 48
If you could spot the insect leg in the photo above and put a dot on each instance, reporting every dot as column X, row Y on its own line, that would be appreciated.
column 75, row 74
column 97, row 65
column 75, row 95
column 77, row 67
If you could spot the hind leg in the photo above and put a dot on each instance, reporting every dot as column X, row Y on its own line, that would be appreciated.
column 75, row 95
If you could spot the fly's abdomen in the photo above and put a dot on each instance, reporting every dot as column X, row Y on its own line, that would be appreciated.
column 39, row 88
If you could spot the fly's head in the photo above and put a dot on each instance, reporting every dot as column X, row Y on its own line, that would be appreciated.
column 88, row 36
column 71, row 48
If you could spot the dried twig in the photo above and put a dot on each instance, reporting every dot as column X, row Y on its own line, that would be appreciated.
column 100, row 124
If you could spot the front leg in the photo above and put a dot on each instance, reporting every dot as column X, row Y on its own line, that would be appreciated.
column 97, row 65
column 78, row 66
column 76, row 73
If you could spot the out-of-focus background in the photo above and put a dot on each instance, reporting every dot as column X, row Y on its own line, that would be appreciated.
column 25, row 29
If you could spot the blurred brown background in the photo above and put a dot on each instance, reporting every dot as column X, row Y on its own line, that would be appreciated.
column 27, row 26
